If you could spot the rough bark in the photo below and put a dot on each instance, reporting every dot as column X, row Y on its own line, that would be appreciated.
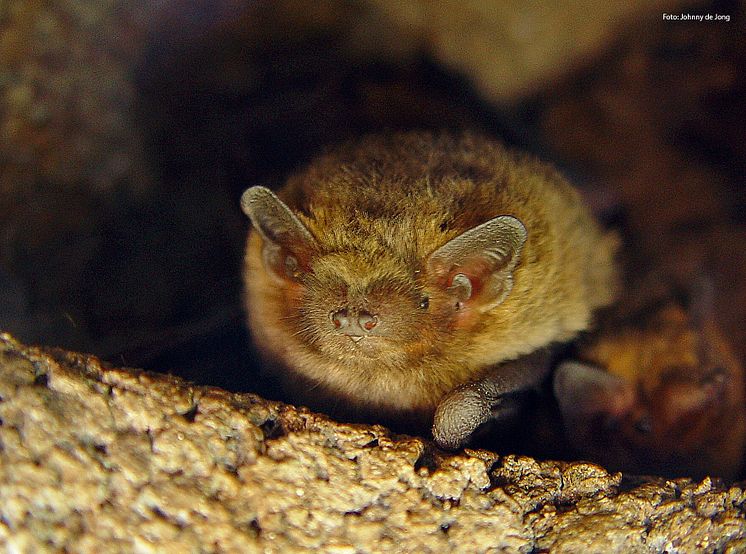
column 105, row 459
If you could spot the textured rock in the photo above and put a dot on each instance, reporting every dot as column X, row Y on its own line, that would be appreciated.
column 107, row 460
column 70, row 148
column 505, row 49
column 67, row 96
column 80, row 193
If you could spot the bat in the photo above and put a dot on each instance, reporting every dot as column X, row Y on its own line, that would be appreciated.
column 659, row 392
column 421, row 278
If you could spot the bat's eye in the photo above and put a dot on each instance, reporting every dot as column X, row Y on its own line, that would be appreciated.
column 644, row 425
column 716, row 377
column 425, row 303
column 291, row 267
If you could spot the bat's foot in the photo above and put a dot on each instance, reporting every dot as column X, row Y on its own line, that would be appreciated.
column 459, row 414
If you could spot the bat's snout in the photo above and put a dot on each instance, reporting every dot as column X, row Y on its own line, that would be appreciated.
column 354, row 323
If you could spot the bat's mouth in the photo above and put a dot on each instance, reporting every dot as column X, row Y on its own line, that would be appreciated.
column 363, row 347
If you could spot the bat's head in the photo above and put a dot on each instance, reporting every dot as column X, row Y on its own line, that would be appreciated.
column 668, row 399
column 372, row 302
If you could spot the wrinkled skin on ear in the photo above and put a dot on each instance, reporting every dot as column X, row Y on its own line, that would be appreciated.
column 476, row 267
column 288, row 245
column 585, row 393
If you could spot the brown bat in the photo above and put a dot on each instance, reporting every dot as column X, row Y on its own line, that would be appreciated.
column 660, row 393
column 404, row 273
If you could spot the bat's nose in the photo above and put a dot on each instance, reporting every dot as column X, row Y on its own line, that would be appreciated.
column 367, row 321
column 340, row 319
column 354, row 323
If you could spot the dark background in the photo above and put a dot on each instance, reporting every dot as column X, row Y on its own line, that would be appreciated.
column 130, row 132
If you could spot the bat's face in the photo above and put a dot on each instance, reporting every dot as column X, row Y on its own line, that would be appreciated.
column 369, row 302
column 665, row 430
column 366, row 315
column 666, row 402
column 667, row 425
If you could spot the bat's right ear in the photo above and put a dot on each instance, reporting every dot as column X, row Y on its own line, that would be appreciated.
column 584, row 391
column 476, row 267
column 288, row 244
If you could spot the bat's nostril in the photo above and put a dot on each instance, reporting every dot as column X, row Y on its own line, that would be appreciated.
column 340, row 319
column 367, row 321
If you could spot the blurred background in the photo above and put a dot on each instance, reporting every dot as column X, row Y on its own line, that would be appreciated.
column 128, row 131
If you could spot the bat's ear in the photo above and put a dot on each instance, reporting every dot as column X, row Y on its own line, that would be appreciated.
column 476, row 267
column 702, row 394
column 585, row 392
column 703, row 317
column 288, row 244
column 702, row 300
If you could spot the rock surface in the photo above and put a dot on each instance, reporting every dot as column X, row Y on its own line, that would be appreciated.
column 102, row 459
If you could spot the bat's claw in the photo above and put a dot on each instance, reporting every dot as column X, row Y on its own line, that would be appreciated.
column 458, row 415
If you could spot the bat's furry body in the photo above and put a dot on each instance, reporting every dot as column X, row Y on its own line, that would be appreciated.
column 660, row 393
column 375, row 212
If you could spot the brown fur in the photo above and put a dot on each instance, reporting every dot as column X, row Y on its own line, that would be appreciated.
column 377, row 209
column 679, row 406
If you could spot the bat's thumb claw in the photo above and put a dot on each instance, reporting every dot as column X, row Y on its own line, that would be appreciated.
column 458, row 415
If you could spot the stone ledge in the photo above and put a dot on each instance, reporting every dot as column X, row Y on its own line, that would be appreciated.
column 108, row 460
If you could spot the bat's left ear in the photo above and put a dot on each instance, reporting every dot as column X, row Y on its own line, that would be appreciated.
column 476, row 267
column 584, row 391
